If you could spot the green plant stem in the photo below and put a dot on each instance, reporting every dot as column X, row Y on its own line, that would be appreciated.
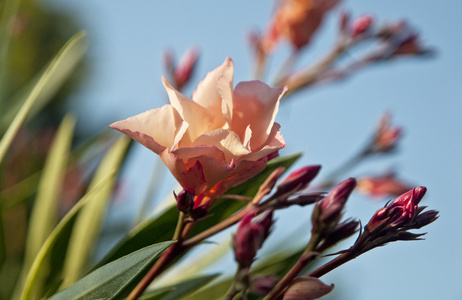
column 217, row 228
column 307, row 257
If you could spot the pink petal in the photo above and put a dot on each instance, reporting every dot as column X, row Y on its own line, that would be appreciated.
column 226, row 141
column 255, row 103
column 216, row 85
column 198, row 118
column 156, row 129
column 274, row 143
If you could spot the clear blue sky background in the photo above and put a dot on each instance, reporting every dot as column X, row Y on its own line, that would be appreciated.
column 328, row 123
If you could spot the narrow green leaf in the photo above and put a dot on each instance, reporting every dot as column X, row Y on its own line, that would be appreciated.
column 162, row 227
column 57, row 63
column 37, row 266
column 108, row 281
column 88, row 224
column 179, row 290
column 45, row 211
column 9, row 9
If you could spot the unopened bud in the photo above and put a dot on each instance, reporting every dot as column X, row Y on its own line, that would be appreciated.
column 185, row 67
column 297, row 180
column 184, row 201
column 386, row 136
column 250, row 237
column 398, row 213
column 361, row 25
column 262, row 285
column 307, row 288
column 331, row 207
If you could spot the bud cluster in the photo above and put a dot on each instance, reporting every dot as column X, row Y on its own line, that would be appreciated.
column 392, row 222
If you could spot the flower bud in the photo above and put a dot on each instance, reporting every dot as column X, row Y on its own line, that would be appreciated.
column 399, row 213
column 297, row 180
column 250, row 236
column 262, row 285
column 331, row 207
column 360, row 25
column 386, row 136
column 184, row 201
column 307, row 288
column 185, row 67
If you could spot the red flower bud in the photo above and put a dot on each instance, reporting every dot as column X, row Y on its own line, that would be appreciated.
column 184, row 201
column 250, row 237
column 297, row 180
column 386, row 136
column 398, row 213
column 360, row 25
column 331, row 207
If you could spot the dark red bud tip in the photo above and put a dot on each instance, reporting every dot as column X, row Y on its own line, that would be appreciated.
column 298, row 179
column 331, row 207
column 419, row 193
column 184, row 201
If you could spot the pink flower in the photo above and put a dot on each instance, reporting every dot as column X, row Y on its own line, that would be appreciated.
column 219, row 138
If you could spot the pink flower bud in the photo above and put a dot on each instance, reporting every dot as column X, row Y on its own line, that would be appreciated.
column 331, row 207
column 386, row 136
column 398, row 213
column 297, row 180
column 185, row 67
column 250, row 237
column 262, row 285
column 360, row 25
column 307, row 288
column 184, row 201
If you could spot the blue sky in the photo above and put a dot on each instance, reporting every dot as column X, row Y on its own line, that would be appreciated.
column 328, row 123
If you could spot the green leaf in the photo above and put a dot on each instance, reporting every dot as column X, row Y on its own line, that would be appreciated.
column 179, row 290
column 146, row 233
column 88, row 224
column 58, row 63
column 161, row 228
column 45, row 211
column 108, row 281
column 9, row 10
column 38, row 264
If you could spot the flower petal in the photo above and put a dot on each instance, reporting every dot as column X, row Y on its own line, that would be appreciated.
column 274, row 143
column 198, row 118
column 227, row 141
column 255, row 104
column 156, row 129
column 214, row 93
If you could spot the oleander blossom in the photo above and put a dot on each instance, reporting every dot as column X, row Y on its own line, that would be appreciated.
column 216, row 140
